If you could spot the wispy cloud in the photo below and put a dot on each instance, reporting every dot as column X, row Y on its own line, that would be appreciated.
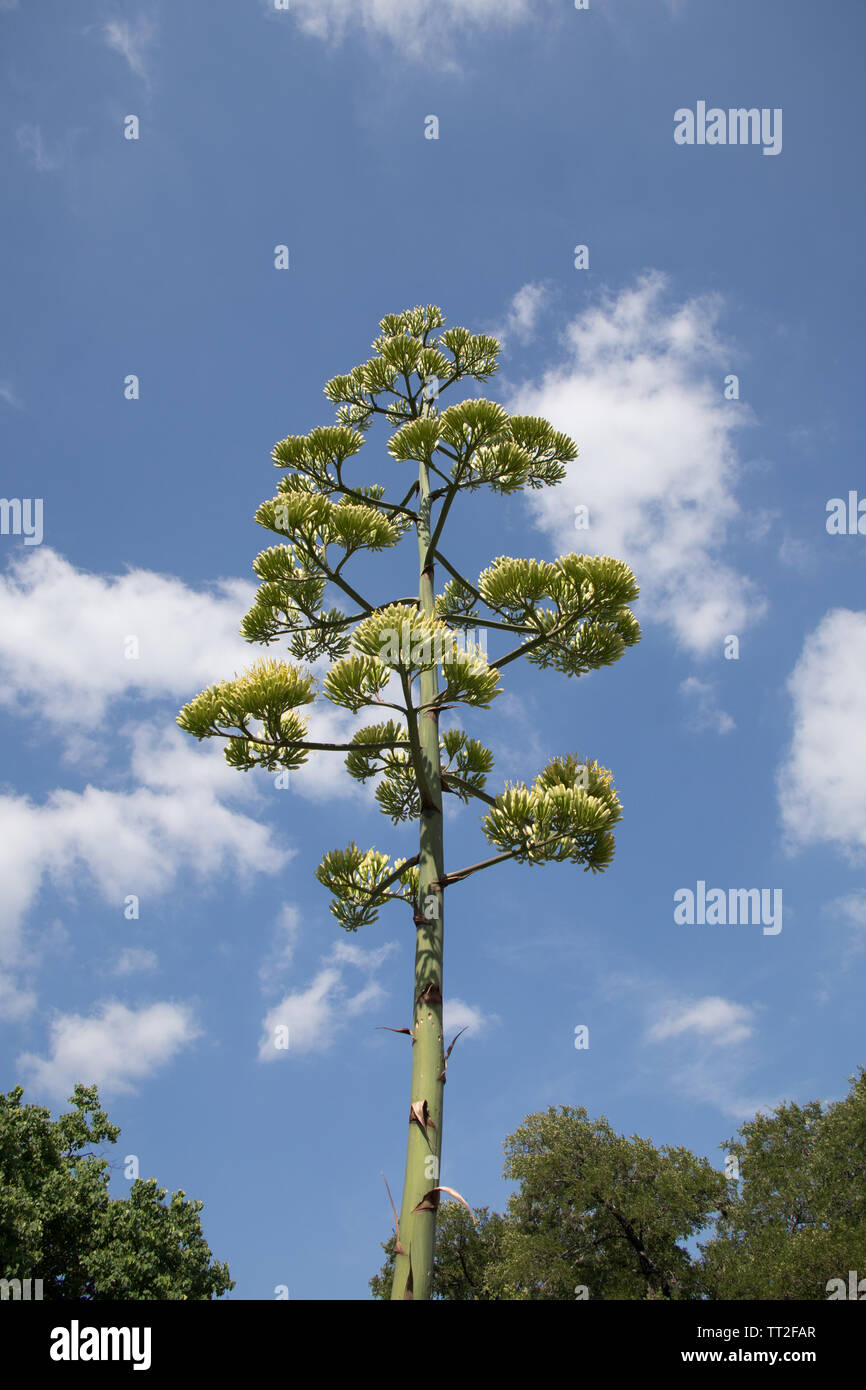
column 457, row 1015
column 707, row 1052
column 703, row 1048
column 131, row 39
column 850, row 912
column 720, row 1021
column 851, row 909
column 846, row 941
column 10, row 396
column 314, row 1016
column 706, row 714
column 17, row 1002
column 798, row 554
column 285, row 940
column 424, row 29
column 32, row 145
column 135, row 961
column 523, row 314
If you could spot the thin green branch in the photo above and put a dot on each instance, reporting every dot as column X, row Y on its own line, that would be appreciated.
column 449, row 782
column 439, row 474
column 440, row 520
column 449, row 453
column 538, row 641
column 241, row 731
column 333, row 624
column 460, row 874
column 470, row 620
column 455, row 574
column 376, row 501
column 312, row 557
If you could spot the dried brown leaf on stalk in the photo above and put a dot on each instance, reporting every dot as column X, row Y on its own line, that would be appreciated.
column 426, row 1204
column 442, row 1076
column 383, row 1028
column 419, row 1111
column 398, row 1248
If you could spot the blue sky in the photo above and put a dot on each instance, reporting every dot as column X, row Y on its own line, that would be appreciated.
column 155, row 257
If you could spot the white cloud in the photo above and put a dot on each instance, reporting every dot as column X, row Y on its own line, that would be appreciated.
column 286, row 936
column 324, row 777
column 309, row 1015
column 120, row 843
column 852, row 910
column 113, row 1049
column 62, row 643
column 422, row 28
column 140, row 841
column 641, row 394
column 797, row 554
column 132, row 40
column 315, row 1015
column 62, row 636
column 135, row 961
column 716, row 1077
column 8, row 394
column 16, row 1003
column 705, row 1047
column 720, row 1021
column 822, row 791
column 457, row 1015
column 846, row 941
column 523, row 314
column 31, row 144
column 706, row 713
column 166, row 759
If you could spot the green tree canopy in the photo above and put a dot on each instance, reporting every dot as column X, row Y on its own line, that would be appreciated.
column 59, row 1224
column 611, row 1214
column 593, row 1210
column 597, row 1210
column 797, row 1217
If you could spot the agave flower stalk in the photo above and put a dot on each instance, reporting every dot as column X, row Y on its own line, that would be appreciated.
column 410, row 660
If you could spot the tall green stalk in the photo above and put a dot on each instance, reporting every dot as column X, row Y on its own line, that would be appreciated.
column 424, row 1145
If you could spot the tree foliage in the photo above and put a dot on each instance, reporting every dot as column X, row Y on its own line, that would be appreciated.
column 618, row 1217
column 596, row 1209
column 593, row 1210
column 59, row 1224
column 797, row 1217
